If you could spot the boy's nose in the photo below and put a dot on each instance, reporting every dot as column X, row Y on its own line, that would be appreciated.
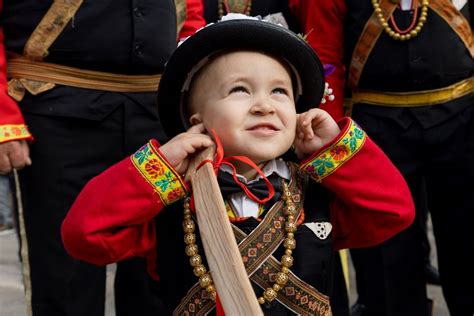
column 262, row 106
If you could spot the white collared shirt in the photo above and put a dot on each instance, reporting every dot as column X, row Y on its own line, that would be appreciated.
column 405, row 5
column 245, row 206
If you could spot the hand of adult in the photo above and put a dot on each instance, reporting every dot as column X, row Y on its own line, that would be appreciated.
column 14, row 155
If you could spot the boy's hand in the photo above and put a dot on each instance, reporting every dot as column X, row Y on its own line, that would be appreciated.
column 314, row 129
column 178, row 149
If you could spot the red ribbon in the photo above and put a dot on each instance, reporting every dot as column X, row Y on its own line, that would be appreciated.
column 219, row 308
column 221, row 160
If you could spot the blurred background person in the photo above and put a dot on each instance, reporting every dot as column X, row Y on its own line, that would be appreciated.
column 409, row 67
column 81, row 96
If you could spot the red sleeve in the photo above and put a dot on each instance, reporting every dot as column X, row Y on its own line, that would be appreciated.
column 194, row 18
column 372, row 200
column 113, row 217
column 323, row 23
column 12, row 125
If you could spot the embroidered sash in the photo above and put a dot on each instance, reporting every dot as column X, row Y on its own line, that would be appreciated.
column 37, row 45
column 181, row 14
column 366, row 42
column 44, row 35
column 50, row 27
column 448, row 12
column 256, row 250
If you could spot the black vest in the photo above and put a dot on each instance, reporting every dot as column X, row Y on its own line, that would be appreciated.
column 313, row 257
column 122, row 36
column 435, row 58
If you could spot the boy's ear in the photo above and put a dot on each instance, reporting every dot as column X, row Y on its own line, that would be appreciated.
column 195, row 119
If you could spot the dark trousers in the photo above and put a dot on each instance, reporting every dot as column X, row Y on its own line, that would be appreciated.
column 444, row 156
column 66, row 154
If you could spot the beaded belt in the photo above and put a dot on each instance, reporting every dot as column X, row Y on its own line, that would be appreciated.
column 256, row 250
column 37, row 77
column 415, row 99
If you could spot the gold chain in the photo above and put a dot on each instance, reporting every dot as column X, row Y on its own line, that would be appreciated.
column 398, row 36
column 289, row 210
column 192, row 251
column 205, row 279
column 221, row 10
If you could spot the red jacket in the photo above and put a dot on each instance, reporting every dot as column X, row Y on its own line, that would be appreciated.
column 113, row 218
column 12, row 125
column 322, row 22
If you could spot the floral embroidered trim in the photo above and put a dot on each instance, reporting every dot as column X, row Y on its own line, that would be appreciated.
column 158, row 172
column 337, row 154
column 12, row 132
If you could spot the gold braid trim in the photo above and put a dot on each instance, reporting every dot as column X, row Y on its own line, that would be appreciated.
column 50, row 27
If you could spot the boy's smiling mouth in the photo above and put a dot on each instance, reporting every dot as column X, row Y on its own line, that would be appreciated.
column 264, row 129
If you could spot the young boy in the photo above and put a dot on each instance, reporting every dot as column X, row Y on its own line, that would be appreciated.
column 246, row 80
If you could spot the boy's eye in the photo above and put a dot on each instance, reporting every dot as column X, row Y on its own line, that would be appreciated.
column 238, row 89
column 280, row 91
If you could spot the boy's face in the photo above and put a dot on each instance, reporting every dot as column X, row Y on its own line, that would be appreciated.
column 247, row 98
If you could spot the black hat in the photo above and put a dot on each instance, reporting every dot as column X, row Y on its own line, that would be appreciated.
column 242, row 33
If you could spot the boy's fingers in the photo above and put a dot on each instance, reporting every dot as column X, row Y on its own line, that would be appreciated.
column 306, row 126
column 308, row 119
column 298, row 128
column 303, row 118
column 301, row 125
column 200, row 140
column 311, row 115
column 197, row 129
column 309, row 132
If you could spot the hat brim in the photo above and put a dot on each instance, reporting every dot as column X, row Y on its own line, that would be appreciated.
column 239, row 34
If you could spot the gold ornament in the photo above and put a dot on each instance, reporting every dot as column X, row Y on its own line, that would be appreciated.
column 189, row 239
column 188, row 226
column 195, row 260
column 200, row 270
column 289, row 244
column 192, row 251
column 269, row 294
column 396, row 35
column 281, row 278
column 205, row 279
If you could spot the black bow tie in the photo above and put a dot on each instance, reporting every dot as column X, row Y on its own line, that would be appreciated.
column 258, row 188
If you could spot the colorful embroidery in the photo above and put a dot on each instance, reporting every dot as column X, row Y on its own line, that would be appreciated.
column 12, row 132
column 180, row 6
column 156, row 171
column 257, row 248
column 336, row 155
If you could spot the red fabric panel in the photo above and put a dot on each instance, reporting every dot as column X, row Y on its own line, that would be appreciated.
column 323, row 22
column 9, row 110
column 194, row 18
column 112, row 218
